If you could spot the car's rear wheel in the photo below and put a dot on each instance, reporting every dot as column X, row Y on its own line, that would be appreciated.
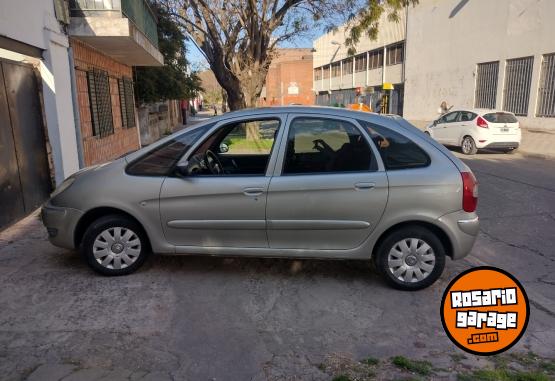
column 115, row 245
column 468, row 146
column 410, row 258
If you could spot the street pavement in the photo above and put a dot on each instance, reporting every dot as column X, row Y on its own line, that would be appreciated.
column 202, row 318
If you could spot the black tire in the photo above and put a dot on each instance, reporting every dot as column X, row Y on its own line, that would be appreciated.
column 421, row 233
column 468, row 146
column 110, row 222
column 427, row 133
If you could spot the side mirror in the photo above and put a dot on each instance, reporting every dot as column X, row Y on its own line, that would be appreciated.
column 224, row 148
column 182, row 169
column 435, row 122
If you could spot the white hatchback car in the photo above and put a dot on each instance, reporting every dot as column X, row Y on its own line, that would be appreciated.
column 475, row 129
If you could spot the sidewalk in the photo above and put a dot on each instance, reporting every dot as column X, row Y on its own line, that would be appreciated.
column 192, row 120
column 536, row 143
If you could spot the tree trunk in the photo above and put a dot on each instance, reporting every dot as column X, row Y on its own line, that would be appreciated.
column 235, row 98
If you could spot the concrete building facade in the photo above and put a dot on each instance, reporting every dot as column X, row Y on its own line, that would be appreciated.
column 472, row 54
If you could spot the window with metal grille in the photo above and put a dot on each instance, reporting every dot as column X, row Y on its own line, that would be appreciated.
column 126, row 102
column 486, row 84
column 360, row 63
column 546, row 91
column 336, row 69
column 375, row 59
column 318, row 74
column 348, row 66
column 395, row 54
column 100, row 102
column 518, row 78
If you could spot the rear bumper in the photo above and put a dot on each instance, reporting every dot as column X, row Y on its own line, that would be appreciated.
column 462, row 229
column 60, row 224
column 501, row 145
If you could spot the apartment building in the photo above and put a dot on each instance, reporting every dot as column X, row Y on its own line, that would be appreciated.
column 471, row 54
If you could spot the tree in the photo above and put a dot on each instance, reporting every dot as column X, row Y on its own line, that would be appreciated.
column 173, row 80
column 239, row 37
column 367, row 19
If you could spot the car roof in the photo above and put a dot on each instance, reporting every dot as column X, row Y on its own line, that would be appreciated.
column 303, row 109
column 480, row 111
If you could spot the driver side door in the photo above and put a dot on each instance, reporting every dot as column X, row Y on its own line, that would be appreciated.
column 224, row 205
column 444, row 128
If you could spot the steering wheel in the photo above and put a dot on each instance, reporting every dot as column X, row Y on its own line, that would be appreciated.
column 213, row 163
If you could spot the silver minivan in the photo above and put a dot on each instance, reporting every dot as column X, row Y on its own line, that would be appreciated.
column 295, row 182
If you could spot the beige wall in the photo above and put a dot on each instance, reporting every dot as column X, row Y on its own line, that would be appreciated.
column 446, row 39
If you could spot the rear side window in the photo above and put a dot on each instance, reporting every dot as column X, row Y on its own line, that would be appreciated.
column 397, row 151
column 466, row 116
column 500, row 117
column 160, row 160
column 324, row 145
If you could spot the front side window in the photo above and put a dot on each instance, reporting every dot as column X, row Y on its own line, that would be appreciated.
column 161, row 160
column 238, row 148
column 320, row 145
column 397, row 151
column 449, row 118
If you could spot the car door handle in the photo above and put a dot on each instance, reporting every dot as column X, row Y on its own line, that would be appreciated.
column 361, row 186
column 253, row 191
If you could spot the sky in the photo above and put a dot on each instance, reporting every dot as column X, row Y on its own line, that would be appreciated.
column 198, row 62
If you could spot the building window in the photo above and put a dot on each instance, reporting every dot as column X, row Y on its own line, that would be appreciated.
column 375, row 59
column 318, row 74
column 347, row 66
column 486, row 85
column 546, row 91
column 126, row 102
column 518, row 78
column 360, row 62
column 395, row 54
column 100, row 102
column 336, row 69
column 326, row 70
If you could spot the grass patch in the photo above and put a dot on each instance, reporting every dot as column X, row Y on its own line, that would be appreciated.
column 423, row 368
column 372, row 361
column 501, row 375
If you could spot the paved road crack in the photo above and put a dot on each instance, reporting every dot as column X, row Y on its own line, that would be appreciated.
column 518, row 246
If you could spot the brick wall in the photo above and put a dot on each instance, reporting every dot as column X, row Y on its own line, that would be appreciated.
column 289, row 70
column 98, row 150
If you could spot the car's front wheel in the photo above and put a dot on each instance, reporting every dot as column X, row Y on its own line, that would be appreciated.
column 410, row 258
column 115, row 245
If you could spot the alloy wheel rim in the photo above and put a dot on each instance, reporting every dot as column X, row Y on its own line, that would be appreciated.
column 116, row 248
column 411, row 260
column 467, row 145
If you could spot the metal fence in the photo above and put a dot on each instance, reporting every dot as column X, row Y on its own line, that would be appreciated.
column 518, row 78
column 486, row 84
column 546, row 91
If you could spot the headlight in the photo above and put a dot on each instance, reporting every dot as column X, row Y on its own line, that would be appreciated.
column 63, row 186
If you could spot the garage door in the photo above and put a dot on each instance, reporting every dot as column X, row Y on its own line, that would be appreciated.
column 24, row 173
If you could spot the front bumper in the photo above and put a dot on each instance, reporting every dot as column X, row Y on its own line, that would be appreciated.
column 60, row 224
column 462, row 229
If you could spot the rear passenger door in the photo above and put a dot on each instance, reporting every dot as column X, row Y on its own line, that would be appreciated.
column 329, row 189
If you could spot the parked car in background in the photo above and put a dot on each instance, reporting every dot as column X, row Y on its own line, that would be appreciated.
column 306, row 182
column 475, row 129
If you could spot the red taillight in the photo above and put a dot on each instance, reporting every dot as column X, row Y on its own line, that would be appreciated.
column 481, row 122
column 470, row 192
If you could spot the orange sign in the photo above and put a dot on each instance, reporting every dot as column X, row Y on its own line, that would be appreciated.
column 485, row 310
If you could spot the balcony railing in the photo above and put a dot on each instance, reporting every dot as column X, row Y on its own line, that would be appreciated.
column 140, row 13
column 137, row 11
